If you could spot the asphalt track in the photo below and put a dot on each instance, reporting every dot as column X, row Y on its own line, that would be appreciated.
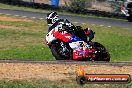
column 74, row 19
column 69, row 62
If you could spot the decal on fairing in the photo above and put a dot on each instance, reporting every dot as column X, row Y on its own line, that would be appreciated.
column 50, row 37
column 76, row 42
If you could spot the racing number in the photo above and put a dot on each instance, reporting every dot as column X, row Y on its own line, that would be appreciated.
column 81, row 44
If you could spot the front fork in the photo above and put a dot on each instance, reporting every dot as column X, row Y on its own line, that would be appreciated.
column 63, row 46
column 65, row 50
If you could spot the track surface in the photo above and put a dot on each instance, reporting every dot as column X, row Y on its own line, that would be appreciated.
column 69, row 62
column 99, row 21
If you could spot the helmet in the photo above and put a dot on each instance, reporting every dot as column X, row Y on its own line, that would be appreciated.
column 52, row 18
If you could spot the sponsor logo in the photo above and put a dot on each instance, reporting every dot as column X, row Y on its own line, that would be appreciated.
column 83, row 77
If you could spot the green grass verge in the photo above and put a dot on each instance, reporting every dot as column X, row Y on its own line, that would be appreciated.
column 63, row 12
column 50, row 84
column 24, row 40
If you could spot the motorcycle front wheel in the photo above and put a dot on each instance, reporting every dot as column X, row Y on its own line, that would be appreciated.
column 59, row 53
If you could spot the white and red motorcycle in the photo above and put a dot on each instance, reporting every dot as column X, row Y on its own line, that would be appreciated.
column 127, row 9
column 66, row 45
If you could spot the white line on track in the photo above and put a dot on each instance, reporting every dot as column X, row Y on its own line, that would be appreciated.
column 8, row 14
column 101, row 25
column 24, row 16
column 109, row 26
column 41, row 18
column 75, row 22
column 16, row 15
column 33, row 17
column 83, row 23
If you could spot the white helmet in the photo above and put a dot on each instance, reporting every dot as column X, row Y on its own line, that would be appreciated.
column 52, row 18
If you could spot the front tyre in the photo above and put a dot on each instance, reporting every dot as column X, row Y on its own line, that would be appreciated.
column 59, row 54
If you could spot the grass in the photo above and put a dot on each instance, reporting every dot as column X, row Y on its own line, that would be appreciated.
column 51, row 84
column 24, row 40
column 63, row 12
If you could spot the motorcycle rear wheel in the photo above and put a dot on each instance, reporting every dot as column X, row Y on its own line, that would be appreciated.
column 102, row 52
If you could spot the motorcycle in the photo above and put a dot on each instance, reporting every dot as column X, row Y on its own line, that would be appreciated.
column 66, row 45
column 127, row 10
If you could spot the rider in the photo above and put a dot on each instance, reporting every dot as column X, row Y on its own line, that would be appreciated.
column 53, row 21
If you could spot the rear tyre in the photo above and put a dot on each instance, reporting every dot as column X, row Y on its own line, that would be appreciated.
column 102, row 53
column 56, row 49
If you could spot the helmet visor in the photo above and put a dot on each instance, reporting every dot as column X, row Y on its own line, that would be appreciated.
column 49, row 21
